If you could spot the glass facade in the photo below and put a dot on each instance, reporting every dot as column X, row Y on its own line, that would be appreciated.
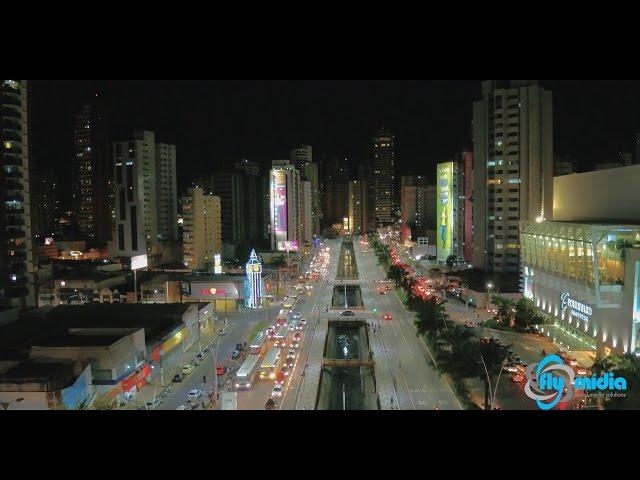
column 572, row 250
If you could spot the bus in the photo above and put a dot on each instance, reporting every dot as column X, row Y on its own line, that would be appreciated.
column 229, row 401
column 270, row 364
column 258, row 345
column 281, row 319
column 281, row 336
column 246, row 374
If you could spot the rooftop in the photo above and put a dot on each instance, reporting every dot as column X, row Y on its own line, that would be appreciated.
column 75, row 340
column 30, row 371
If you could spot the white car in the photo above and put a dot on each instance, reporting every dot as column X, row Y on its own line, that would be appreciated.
column 277, row 391
column 182, row 407
column 511, row 369
column 194, row 394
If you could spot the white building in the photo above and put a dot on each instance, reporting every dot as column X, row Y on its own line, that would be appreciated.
column 358, row 207
column 202, row 228
column 311, row 174
column 513, row 168
column 583, row 268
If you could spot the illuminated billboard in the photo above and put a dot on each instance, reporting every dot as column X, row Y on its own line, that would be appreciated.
column 138, row 262
column 291, row 246
column 279, row 201
column 444, row 212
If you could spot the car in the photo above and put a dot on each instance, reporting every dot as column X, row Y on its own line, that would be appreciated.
column 271, row 404
column 297, row 336
column 280, row 378
column 221, row 370
column 511, row 368
column 178, row 377
column 277, row 391
column 347, row 313
column 187, row 369
column 295, row 315
column 197, row 361
column 517, row 377
column 152, row 405
column 280, row 322
column 292, row 327
column 289, row 362
column 387, row 317
column 285, row 370
column 295, row 344
column 239, row 347
column 235, row 354
column 299, row 326
column 381, row 291
column 270, row 328
column 520, row 362
column 469, row 324
column 580, row 370
column 287, row 304
column 388, row 287
column 302, row 321
column 194, row 394
column 182, row 407
column 291, row 353
column 572, row 362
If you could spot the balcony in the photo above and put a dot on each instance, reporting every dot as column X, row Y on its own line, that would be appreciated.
column 10, row 184
column 15, row 233
column 14, row 173
column 10, row 100
column 10, row 113
column 9, row 124
column 15, row 148
column 11, row 135
column 14, row 221
column 6, row 88
column 16, row 292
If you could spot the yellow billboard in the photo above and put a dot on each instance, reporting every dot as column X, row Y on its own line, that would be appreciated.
column 444, row 211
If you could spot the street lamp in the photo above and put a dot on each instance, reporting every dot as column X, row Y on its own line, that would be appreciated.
column 489, row 287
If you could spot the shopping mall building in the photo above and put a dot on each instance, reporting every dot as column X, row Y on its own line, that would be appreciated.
column 583, row 269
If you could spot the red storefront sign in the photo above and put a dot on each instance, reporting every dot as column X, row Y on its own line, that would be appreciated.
column 138, row 379
column 213, row 291
column 155, row 353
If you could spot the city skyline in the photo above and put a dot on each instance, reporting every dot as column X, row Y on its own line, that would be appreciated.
column 224, row 121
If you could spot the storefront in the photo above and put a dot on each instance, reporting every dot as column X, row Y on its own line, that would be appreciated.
column 225, row 292
column 586, row 278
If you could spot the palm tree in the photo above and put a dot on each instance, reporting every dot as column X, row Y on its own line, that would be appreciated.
column 506, row 307
column 626, row 366
column 431, row 317
column 395, row 274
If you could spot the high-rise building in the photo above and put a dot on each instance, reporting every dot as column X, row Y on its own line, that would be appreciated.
column 358, row 221
column 166, row 192
column 336, row 191
column 47, row 201
column 384, row 180
column 311, row 174
column 450, row 210
column 16, row 259
column 254, row 199
column 202, row 234
column 285, row 200
column 467, row 162
column 301, row 156
column 135, row 196
column 414, row 203
column 228, row 186
column 306, row 211
column 513, row 168
column 92, row 173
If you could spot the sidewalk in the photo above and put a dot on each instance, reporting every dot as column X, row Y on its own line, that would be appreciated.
column 385, row 382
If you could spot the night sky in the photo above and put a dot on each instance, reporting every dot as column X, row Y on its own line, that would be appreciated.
column 215, row 123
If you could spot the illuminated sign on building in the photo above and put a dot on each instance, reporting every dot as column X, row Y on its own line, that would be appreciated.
column 576, row 308
column 279, row 201
column 288, row 246
column 217, row 267
column 213, row 291
column 444, row 212
column 139, row 261
column 253, row 282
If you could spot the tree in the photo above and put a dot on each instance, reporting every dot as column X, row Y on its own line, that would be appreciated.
column 451, row 260
column 506, row 308
column 105, row 403
column 526, row 314
column 395, row 273
column 626, row 366
column 431, row 317
column 278, row 262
